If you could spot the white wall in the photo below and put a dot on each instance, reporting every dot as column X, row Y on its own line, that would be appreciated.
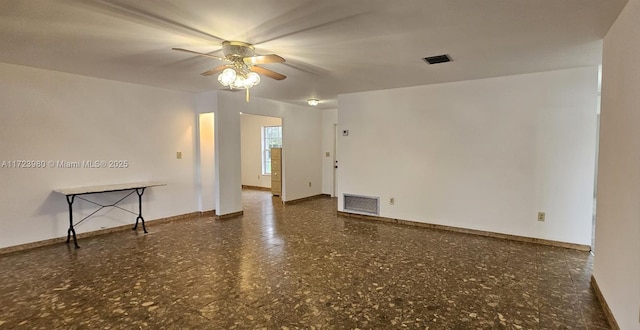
column 251, row 156
column 227, row 151
column 49, row 115
column 302, row 146
column 329, row 119
column 617, row 260
column 484, row 154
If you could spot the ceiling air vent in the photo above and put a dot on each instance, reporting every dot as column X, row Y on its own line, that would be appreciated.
column 437, row 59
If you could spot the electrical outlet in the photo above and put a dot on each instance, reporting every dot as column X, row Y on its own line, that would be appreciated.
column 258, row 176
column 392, row 201
column 541, row 216
column 309, row 183
column 179, row 155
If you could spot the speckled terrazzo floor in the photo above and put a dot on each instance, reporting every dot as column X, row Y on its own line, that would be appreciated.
column 296, row 267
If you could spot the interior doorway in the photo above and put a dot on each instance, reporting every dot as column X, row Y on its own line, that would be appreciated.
column 258, row 134
column 206, row 162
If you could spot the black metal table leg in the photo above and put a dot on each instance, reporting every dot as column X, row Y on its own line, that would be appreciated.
column 139, row 192
column 70, row 199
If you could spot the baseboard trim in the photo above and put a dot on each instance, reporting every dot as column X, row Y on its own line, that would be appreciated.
column 51, row 241
column 210, row 213
column 605, row 307
column 256, row 188
column 304, row 199
column 541, row 241
column 229, row 215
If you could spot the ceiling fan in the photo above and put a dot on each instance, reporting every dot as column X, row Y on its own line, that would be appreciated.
column 242, row 71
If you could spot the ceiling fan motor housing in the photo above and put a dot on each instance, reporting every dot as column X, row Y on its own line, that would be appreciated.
column 237, row 49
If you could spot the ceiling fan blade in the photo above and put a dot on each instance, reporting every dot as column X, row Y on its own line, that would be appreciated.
column 201, row 54
column 267, row 72
column 263, row 59
column 214, row 70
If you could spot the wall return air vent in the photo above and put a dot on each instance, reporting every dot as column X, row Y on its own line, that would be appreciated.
column 362, row 204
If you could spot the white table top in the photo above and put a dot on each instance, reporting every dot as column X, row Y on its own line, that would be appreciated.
column 106, row 188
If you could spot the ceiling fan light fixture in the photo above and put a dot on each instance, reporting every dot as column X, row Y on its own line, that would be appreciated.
column 242, row 71
column 313, row 102
column 253, row 78
column 243, row 81
column 240, row 82
column 227, row 77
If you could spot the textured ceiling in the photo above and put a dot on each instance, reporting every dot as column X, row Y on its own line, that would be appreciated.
column 331, row 46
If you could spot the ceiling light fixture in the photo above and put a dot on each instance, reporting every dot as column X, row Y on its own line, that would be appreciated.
column 242, row 71
column 239, row 77
column 313, row 102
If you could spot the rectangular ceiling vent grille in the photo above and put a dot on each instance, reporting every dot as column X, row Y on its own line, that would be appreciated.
column 362, row 204
column 437, row 59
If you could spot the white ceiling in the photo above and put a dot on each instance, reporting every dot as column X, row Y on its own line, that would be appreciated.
column 331, row 46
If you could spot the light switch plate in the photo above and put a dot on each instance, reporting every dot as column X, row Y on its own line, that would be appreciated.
column 179, row 155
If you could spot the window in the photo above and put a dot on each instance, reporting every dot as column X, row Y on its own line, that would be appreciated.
column 271, row 138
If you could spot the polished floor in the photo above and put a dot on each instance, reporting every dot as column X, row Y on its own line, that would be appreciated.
column 296, row 267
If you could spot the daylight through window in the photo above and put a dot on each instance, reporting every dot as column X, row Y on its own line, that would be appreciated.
column 271, row 138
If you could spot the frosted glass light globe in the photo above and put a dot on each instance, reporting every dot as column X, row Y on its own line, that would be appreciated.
column 227, row 76
column 240, row 82
column 252, row 79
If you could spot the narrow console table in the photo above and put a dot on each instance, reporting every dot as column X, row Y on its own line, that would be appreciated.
column 71, row 194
